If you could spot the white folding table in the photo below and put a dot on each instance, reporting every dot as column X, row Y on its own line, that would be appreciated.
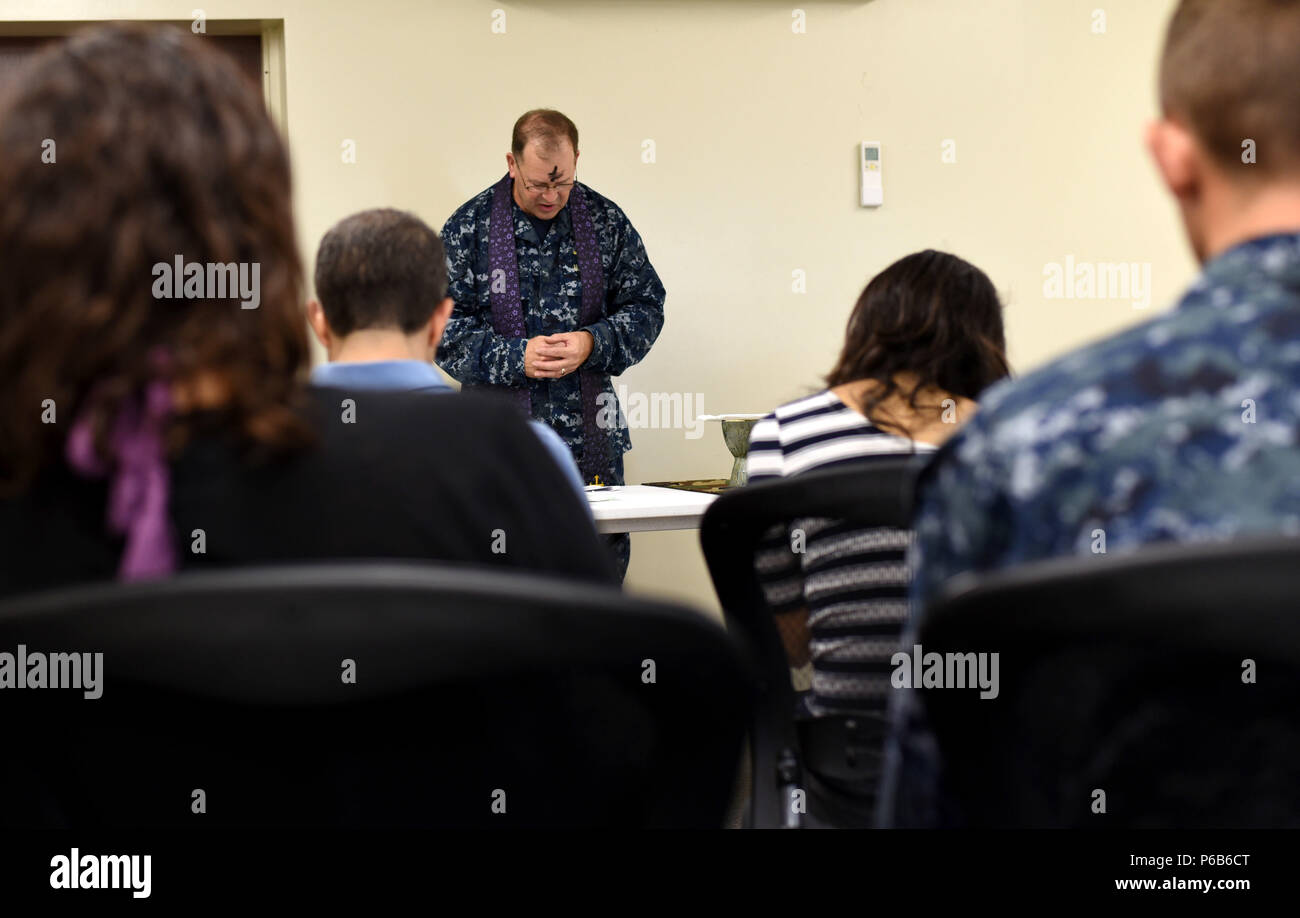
column 645, row 508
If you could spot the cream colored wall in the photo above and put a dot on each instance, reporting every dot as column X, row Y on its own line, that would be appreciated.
column 755, row 129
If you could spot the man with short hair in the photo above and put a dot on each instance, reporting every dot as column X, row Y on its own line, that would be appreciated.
column 381, row 307
column 554, row 295
column 1183, row 428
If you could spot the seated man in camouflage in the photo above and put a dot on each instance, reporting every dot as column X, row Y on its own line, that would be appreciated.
column 1183, row 428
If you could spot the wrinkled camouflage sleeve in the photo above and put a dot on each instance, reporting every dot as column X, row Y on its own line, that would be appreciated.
column 634, row 310
column 471, row 351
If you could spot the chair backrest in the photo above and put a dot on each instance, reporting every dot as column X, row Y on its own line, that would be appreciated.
column 374, row 694
column 1156, row 688
column 876, row 492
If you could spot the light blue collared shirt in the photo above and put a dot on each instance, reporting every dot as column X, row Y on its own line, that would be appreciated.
column 414, row 376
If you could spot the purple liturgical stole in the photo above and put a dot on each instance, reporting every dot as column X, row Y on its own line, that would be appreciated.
column 507, row 305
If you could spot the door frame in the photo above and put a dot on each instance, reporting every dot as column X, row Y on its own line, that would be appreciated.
column 271, row 32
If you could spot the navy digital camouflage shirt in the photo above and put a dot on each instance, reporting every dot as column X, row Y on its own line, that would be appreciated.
column 474, row 354
column 1183, row 428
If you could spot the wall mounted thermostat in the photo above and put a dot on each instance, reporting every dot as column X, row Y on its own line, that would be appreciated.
column 873, row 188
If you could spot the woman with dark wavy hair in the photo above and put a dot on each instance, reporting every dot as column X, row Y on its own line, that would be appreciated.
column 924, row 340
column 153, row 352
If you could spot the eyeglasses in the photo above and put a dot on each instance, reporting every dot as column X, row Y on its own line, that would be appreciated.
column 548, row 186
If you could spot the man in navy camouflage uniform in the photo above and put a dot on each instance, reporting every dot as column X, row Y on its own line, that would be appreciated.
column 552, row 300
column 1185, row 428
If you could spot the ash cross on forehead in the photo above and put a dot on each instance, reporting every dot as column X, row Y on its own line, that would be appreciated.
column 554, row 173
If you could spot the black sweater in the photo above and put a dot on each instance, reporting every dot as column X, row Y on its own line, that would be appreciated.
column 414, row 477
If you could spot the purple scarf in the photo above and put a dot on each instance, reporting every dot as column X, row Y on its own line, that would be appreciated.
column 140, row 484
column 507, row 306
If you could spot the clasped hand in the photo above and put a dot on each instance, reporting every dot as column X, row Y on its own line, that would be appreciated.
column 554, row 356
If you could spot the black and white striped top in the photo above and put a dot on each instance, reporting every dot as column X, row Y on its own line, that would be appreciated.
column 852, row 581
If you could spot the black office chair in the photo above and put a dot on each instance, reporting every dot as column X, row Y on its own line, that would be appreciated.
column 1124, row 675
column 828, row 757
column 481, row 698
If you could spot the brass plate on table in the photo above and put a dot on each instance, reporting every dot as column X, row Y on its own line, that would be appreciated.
column 704, row 485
